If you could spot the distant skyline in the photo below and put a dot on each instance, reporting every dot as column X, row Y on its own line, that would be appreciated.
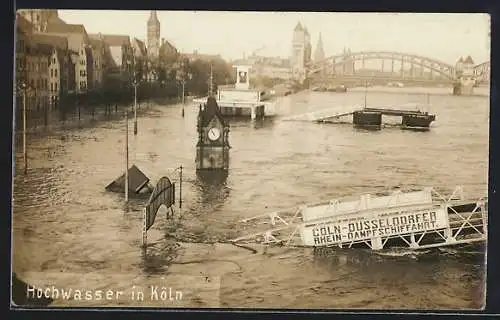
column 442, row 36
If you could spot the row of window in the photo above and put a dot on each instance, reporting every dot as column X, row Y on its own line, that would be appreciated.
column 53, row 73
column 40, row 84
column 83, row 73
column 83, row 84
column 53, row 87
column 38, row 67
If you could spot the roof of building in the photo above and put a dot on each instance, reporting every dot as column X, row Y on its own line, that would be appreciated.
column 166, row 47
column 460, row 60
column 139, row 47
column 112, row 40
column 469, row 60
column 96, row 43
column 298, row 27
column 23, row 25
column 57, row 41
column 202, row 56
column 55, row 27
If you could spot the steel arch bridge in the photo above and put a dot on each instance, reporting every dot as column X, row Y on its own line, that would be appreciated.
column 482, row 72
column 330, row 64
column 343, row 65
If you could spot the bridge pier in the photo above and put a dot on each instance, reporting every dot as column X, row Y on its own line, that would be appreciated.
column 463, row 89
column 367, row 119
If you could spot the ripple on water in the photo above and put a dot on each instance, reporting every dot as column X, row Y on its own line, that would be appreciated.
column 65, row 222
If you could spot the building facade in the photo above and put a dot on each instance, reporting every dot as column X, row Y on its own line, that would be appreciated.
column 97, row 47
column 78, row 45
column 40, row 18
column 37, row 66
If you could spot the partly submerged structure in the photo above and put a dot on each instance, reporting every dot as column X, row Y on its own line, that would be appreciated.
column 212, row 148
column 417, row 220
column 240, row 99
column 138, row 183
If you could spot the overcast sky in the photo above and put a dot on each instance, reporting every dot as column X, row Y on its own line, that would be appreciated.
column 443, row 36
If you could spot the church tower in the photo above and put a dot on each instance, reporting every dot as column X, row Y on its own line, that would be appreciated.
column 300, row 51
column 212, row 149
column 153, row 35
column 319, row 54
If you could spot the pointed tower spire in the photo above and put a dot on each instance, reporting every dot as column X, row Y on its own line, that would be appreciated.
column 153, row 17
column 153, row 35
column 319, row 54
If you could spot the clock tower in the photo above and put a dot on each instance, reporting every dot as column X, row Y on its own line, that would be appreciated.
column 212, row 149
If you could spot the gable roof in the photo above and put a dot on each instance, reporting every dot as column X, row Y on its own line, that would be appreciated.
column 298, row 27
column 55, row 27
column 75, row 40
column 112, row 40
column 166, row 47
column 23, row 25
column 139, row 47
column 56, row 41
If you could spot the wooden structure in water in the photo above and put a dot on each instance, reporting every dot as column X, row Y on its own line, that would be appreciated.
column 370, row 118
column 416, row 220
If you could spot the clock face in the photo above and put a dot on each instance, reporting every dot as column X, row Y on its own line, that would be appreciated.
column 213, row 134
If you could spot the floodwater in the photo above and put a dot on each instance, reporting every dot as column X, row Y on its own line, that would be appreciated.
column 72, row 234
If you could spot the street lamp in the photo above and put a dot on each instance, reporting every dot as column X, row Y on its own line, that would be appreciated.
column 23, row 87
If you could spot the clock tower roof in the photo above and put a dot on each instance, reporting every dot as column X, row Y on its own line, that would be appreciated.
column 211, row 110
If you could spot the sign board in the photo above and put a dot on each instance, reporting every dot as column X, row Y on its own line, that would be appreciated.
column 163, row 194
column 238, row 95
column 337, row 231
column 367, row 202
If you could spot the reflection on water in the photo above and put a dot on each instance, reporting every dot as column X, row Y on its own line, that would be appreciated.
column 64, row 222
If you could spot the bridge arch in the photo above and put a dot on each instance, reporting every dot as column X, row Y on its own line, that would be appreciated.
column 440, row 67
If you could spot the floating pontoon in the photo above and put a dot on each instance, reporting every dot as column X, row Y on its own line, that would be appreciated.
column 417, row 220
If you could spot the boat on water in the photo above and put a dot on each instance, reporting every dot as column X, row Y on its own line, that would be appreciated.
column 417, row 220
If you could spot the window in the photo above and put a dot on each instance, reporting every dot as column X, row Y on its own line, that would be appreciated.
column 51, row 87
column 55, row 72
column 51, row 73
column 55, row 87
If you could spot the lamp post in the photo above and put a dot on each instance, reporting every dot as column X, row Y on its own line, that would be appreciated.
column 135, row 84
column 23, row 86
column 25, row 154
column 126, row 155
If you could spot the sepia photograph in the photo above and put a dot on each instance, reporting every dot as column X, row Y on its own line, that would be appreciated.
column 250, row 160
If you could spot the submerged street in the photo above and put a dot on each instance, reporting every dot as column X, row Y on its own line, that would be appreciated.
column 69, row 230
